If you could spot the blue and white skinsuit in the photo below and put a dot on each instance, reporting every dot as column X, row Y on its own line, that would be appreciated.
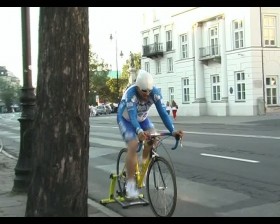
column 132, row 116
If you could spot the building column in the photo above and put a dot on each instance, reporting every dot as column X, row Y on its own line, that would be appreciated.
column 199, row 75
column 200, row 101
column 224, row 77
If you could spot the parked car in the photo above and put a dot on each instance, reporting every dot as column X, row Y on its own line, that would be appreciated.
column 102, row 109
column 108, row 108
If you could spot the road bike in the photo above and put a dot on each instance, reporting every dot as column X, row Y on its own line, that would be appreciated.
column 157, row 175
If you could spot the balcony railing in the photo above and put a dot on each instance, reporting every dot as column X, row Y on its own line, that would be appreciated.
column 153, row 50
column 210, row 52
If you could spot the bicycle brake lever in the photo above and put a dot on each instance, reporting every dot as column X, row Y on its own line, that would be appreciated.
column 176, row 144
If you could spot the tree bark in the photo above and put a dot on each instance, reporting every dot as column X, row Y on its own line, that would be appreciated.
column 59, row 184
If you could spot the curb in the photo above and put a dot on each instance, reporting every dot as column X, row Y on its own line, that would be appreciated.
column 4, row 152
column 103, row 209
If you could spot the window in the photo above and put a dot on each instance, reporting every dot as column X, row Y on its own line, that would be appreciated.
column 184, row 46
column 171, row 94
column 145, row 46
column 214, row 41
column 216, row 88
column 240, row 86
column 156, row 42
column 238, row 31
column 145, row 41
column 186, row 90
column 156, row 38
column 147, row 66
column 168, row 40
column 158, row 67
column 269, row 30
column 271, row 90
column 169, row 65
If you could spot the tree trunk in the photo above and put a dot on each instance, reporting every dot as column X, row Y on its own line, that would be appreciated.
column 59, row 185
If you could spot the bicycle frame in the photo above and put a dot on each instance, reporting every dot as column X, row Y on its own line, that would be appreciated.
column 140, row 173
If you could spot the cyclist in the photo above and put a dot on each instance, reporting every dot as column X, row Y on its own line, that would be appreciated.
column 134, row 124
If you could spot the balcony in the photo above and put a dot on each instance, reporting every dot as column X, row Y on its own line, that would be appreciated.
column 152, row 51
column 210, row 53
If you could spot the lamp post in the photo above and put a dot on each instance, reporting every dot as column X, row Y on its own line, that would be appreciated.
column 27, row 100
column 121, row 54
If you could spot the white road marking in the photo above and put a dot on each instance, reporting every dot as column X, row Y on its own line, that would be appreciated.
column 232, row 158
column 208, row 133
column 233, row 135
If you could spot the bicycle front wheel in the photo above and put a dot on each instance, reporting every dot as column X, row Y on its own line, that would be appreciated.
column 161, row 187
column 121, row 172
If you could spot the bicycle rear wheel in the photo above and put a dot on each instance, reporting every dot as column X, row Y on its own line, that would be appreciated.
column 161, row 187
column 121, row 172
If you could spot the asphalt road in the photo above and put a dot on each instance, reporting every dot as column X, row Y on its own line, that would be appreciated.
column 225, row 168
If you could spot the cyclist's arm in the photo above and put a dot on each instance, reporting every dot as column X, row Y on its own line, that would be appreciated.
column 163, row 114
column 132, row 113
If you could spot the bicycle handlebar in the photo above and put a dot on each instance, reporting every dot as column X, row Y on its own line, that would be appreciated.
column 162, row 134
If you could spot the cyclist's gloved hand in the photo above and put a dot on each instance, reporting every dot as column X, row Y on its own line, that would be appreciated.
column 178, row 134
column 142, row 136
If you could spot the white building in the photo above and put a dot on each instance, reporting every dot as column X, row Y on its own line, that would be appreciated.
column 220, row 61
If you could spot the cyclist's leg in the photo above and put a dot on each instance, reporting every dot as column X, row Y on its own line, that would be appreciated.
column 131, row 158
column 130, row 138
column 147, row 125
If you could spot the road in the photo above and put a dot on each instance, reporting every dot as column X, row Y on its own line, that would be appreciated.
column 223, row 169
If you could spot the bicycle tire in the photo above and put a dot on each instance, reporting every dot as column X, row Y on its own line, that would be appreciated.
column 161, row 187
column 121, row 172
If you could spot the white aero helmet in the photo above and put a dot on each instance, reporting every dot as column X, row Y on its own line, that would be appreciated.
column 144, row 80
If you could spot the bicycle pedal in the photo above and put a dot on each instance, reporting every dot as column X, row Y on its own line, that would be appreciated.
column 121, row 194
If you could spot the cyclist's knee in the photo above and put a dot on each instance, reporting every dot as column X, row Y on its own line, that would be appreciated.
column 132, row 145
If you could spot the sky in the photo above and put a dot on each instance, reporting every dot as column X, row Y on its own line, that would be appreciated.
column 124, row 23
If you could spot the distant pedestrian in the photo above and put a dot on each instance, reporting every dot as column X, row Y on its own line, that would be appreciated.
column 168, row 107
column 174, row 107
column 92, row 111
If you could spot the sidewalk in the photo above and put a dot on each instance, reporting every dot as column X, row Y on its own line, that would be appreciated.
column 14, row 204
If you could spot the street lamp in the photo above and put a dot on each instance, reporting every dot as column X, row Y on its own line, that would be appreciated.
column 27, row 100
column 121, row 54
